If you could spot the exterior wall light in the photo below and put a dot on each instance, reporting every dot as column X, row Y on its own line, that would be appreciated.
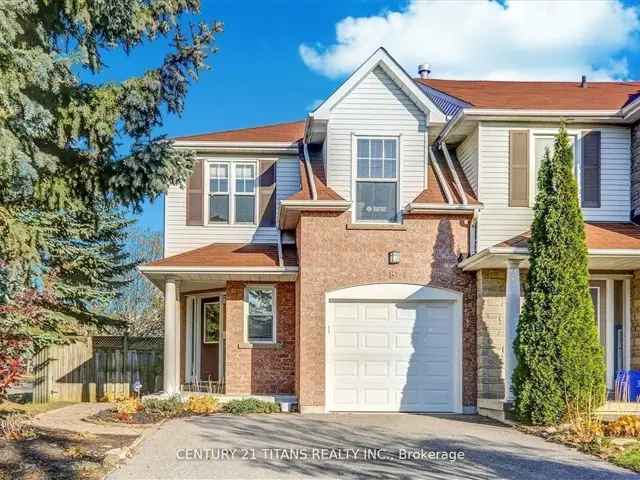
column 394, row 258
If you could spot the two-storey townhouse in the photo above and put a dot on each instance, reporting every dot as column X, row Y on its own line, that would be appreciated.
column 372, row 256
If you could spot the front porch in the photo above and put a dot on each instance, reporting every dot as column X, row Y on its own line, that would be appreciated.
column 229, row 320
column 614, row 284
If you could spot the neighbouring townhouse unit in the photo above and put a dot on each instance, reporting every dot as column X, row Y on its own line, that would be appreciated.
column 371, row 257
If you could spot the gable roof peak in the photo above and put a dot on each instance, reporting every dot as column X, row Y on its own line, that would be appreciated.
column 381, row 58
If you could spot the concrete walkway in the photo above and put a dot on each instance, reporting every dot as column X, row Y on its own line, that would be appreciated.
column 72, row 418
column 289, row 446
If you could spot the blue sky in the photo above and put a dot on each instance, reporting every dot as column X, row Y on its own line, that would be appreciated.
column 277, row 58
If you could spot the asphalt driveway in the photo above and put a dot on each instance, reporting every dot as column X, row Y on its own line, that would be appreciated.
column 356, row 446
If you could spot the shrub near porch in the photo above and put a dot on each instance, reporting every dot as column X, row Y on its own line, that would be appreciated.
column 156, row 409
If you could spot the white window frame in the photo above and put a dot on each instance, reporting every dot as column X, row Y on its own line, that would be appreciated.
column 210, row 193
column 231, row 165
column 274, row 307
column 355, row 179
column 577, row 159
column 204, row 322
column 246, row 194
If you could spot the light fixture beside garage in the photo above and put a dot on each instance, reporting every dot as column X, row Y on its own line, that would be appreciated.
column 394, row 257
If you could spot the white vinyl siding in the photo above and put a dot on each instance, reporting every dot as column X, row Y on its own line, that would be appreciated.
column 180, row 237
column 467, row 153
column 376, row 106
column 497, row 222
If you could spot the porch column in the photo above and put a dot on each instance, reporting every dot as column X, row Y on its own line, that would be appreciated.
column 178, row 320
column 170, row 330
column 512, row 316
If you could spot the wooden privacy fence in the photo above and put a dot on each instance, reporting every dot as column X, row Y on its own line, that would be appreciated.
column 92, row 368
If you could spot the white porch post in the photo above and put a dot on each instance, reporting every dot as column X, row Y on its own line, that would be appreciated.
column 170, row 324
column 512, row 316
column 178, row 362
column 610, row 333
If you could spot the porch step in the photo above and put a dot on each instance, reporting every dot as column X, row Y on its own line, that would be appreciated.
column 612, row 410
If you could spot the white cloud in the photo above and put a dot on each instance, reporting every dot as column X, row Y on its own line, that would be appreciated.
column 553, row 40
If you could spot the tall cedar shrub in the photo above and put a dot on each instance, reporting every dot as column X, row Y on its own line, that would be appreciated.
column 560, row 360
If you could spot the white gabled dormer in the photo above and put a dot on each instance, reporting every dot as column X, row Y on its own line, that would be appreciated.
column 375, row 130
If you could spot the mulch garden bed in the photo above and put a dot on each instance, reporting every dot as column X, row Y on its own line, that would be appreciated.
column 58, row 454
column 139, row 418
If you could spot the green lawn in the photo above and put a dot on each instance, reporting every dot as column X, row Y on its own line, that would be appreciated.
column 8, row 407
column 629, row 458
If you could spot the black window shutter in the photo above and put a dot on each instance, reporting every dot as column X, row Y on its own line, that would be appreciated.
column 195, row 195
column 591, row 169
column 267, row 194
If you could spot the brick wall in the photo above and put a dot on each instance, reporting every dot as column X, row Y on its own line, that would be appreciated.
column 333, row 256
column 260, row 370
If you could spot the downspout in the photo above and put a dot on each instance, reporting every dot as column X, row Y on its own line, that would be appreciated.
column 454, row 172
column 436, row 168
column 307, row 164
column 280, row 256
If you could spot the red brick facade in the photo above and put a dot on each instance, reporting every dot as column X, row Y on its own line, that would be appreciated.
column 333, row 256
column 260, row 370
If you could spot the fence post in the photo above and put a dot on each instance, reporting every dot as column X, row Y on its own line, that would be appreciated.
column 125, row 360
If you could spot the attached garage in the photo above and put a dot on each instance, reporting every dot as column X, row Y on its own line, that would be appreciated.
column 394, row 348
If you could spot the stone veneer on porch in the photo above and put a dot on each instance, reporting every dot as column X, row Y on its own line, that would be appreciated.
column 491, row 314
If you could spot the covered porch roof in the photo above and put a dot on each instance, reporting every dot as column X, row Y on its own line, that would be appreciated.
column 610, row 246
column 213, row 265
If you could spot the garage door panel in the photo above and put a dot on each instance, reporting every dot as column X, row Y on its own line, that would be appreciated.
column 376, row 369
column 376, row 396
column 347, row 368
column 391, row 357
column 375, row 341
column 375, row 312
column 345, row 340
column 345, row 397
column 403, row 341
column 345, row 311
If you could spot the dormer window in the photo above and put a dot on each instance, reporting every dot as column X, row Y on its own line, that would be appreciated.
column 376, row 182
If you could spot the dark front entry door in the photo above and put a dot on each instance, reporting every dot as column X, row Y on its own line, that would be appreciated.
column 211, row 335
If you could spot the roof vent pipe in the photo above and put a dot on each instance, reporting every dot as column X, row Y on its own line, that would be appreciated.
column 424, row 70
column 583, row 81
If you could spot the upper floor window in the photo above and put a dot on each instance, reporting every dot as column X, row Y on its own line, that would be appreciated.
column 524, row 164
column 376, row 180
column 219, row 192
column 245, row 193
column 232, row 193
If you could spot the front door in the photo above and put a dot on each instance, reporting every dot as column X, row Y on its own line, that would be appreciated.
column 610, row 298
column 210, row 359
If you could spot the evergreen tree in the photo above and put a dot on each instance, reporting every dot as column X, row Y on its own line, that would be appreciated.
column 63, row 175
column 560, row 360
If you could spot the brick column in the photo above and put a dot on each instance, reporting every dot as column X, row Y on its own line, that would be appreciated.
column 237, row 361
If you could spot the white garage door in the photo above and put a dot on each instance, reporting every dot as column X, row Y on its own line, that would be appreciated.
column 391, row 357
